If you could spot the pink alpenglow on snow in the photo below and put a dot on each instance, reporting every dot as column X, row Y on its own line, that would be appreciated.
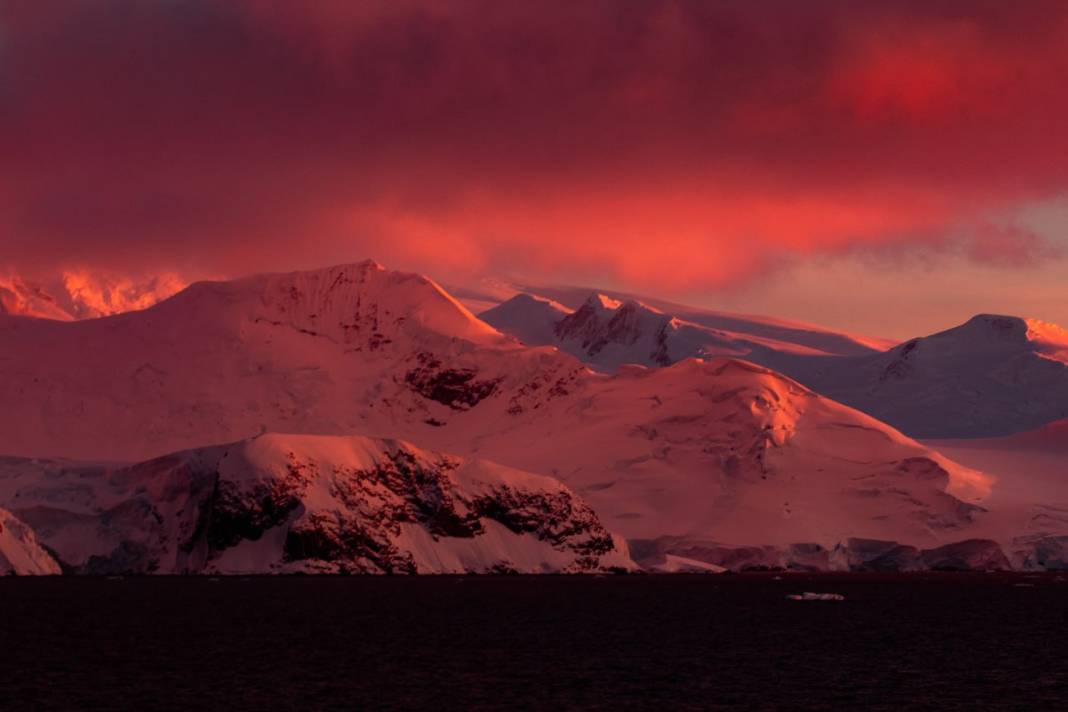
column 703, row 463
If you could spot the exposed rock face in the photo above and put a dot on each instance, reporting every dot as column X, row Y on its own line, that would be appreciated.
column 875, row 555
column 800, row 557
column 1049, row 553
column 279, row 504
column 458, row 388
column 20, row 552
column 643, row 334
column 972, row 554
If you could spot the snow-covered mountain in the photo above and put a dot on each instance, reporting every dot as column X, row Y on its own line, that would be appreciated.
column 335, row 351
column 20, row 553
column 528, row 317
column 717, row 454
column 606, row 333
column 525, row 306
column 732, row 453
column 300, row 503
column 994, row 375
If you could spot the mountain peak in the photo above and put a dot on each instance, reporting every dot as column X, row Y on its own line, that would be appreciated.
column 603, row 301
column 359, row 303
column 370, row 265
column 1032, row 334
column 997, row 323
column 527, row 317
column 366, row 290
column 991, row 376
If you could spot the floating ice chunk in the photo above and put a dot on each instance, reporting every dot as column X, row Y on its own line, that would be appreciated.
column 809, row 596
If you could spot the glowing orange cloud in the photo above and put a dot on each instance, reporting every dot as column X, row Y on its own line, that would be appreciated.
column 669, row 143
column 82, row 294
column 101, row 295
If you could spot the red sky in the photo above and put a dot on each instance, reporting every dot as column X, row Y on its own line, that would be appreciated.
column 744, row 154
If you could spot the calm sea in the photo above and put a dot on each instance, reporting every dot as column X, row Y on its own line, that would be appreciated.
column 936, row 641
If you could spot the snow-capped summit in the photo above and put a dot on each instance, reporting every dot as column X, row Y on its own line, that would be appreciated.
column 603, row 301
column 610, row 333
column 993, row 375
column 354, row 348
column 527, row 317
column 778, row 334
column 1039, row 337
column 361, row 305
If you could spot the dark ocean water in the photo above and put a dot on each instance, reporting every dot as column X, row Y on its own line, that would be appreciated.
column 935, row 641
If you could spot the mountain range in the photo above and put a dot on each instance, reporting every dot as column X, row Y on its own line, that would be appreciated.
column 664, row 440
column 992, row 376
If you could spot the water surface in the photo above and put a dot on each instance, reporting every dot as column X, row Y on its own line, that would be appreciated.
column 947, row 641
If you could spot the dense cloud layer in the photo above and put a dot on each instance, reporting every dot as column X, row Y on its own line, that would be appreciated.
column 659, row 143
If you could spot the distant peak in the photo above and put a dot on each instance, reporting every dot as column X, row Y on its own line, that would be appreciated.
column 989, row 326
column 1040, row 336
column 371, row 266
column 356, row 303
column 633, row 305
column 527, row 298
column 601, row 301
column 996, row 321
column 361, row 267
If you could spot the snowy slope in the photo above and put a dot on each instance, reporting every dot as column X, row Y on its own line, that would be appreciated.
column 730, row 452
column 20, row 554
column 705, row 451
column 286, row 503
column 347, row 349
column 529, row 318
column 994, row 375
column 1029, row 507
column 1052, row 437
column 606, row 333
